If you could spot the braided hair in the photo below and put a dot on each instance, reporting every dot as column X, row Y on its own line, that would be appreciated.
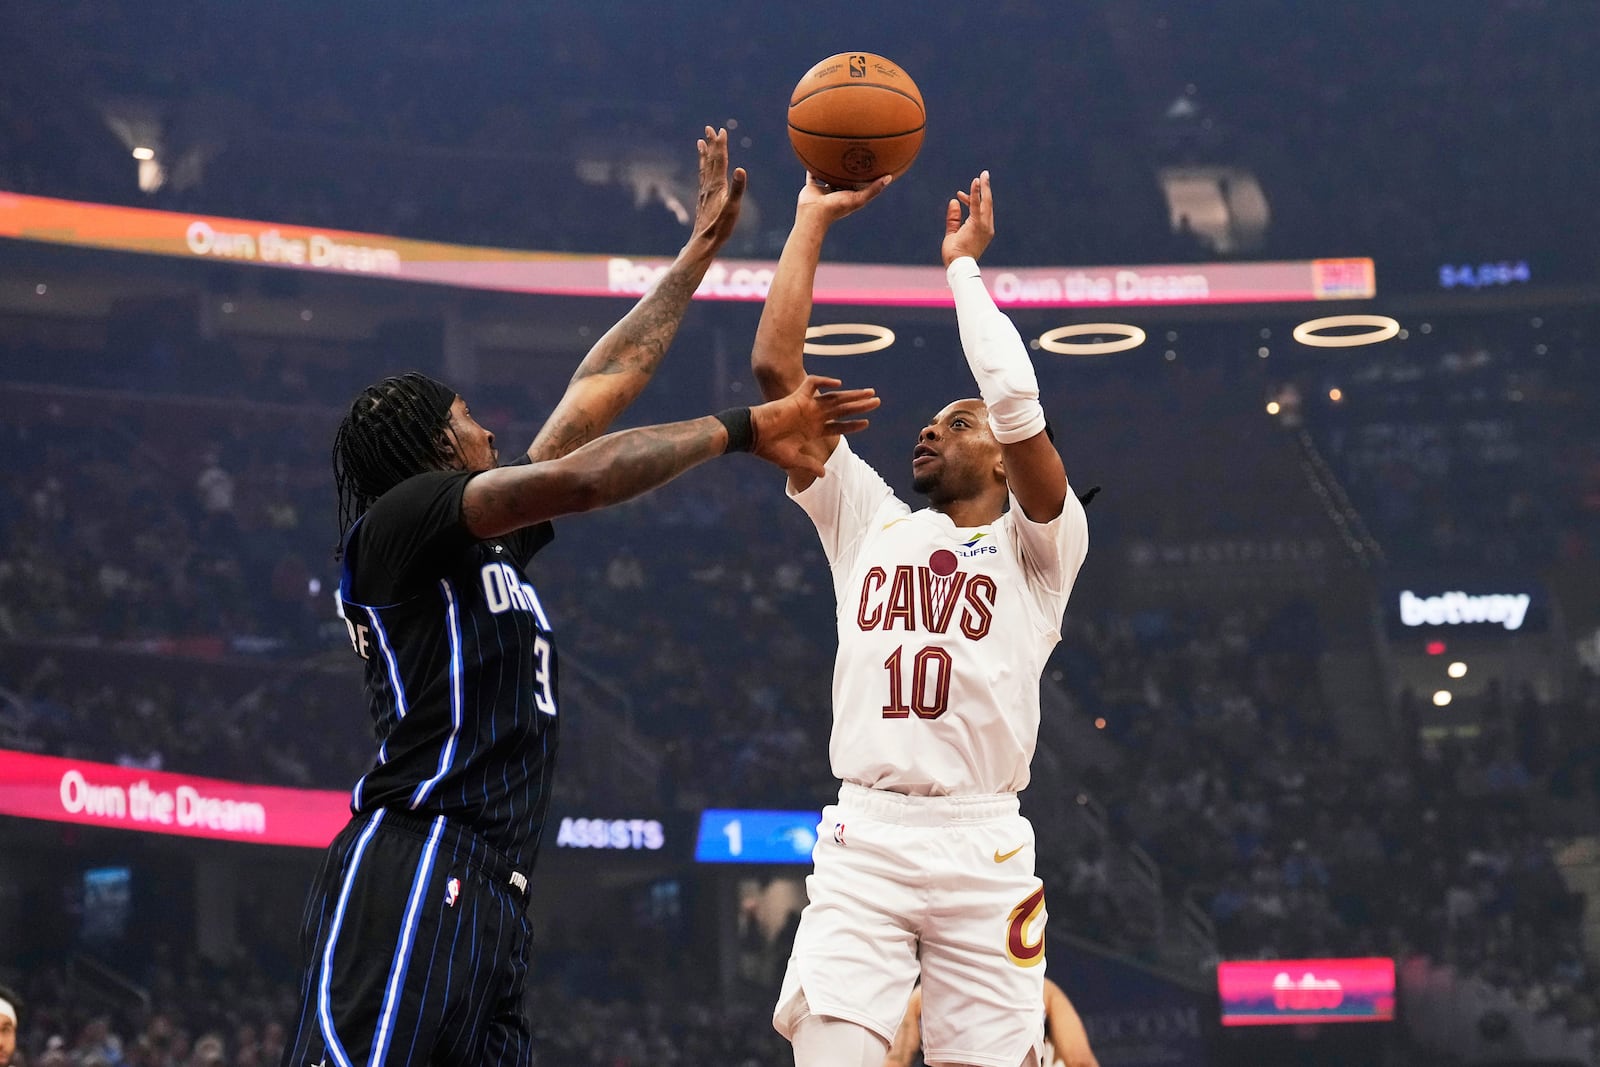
column 393, row 430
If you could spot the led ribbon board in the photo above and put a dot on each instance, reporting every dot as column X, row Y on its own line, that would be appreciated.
column 125, row 798
column 215, row 239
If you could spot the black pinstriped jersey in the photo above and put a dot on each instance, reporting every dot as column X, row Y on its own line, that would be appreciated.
column 460, row 665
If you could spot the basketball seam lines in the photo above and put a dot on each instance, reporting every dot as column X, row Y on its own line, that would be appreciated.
column 862, row 137
column 863, row 85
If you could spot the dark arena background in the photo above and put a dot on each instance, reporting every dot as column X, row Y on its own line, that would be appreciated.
column 1317, row 777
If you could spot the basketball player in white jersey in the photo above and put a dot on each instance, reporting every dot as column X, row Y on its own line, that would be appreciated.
column 946, row 616
column 1066, row 1042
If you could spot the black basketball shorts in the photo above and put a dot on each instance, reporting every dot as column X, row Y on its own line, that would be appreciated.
column 415, row 941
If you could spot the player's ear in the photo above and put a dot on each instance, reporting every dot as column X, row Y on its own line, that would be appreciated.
column 449, row 455
column 1000, row 469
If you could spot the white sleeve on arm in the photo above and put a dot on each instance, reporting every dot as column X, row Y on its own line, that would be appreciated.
column 844, row 505
column 997, row 356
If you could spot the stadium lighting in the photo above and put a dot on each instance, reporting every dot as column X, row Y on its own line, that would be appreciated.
column 1379, row 328
column 1056, row 340
column 1336, row 394
column 879, row 338
column 1457, row 670
column 1442, row 698
column 144, row 153
column 1273, row 407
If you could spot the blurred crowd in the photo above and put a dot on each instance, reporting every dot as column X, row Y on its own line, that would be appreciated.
column 1299, row 843
column 201, row 1014
column 1397, row 133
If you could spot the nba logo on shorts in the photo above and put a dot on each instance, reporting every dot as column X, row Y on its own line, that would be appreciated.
column 452, row 892
column 838, row 832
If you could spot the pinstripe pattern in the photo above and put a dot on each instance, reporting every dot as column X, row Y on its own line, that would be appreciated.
column 453, row 628
column 445, row 988
column 324, row 983
column 455, row 668
column 399, row 689
column 454, row 687
column 402, row 953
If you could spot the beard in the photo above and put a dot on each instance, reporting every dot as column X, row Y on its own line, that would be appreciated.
column 924, row 484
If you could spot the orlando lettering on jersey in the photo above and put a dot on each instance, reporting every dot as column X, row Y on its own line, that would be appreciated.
column 460, row 667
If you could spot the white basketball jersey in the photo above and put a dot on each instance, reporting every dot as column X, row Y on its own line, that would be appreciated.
column 943, row 633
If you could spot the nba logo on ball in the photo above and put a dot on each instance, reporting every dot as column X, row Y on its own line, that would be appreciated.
column 452, row 892
column 855, row 117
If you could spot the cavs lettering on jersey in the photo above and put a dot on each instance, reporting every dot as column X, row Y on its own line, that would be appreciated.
column 460, row 671
column 943, row 633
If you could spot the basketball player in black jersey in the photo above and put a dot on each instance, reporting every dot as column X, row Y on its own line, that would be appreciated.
column 415, row 932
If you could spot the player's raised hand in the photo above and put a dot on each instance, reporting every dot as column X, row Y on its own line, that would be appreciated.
column 784, row 427
column 717, row 210
column 969, row 236
column 831, row 204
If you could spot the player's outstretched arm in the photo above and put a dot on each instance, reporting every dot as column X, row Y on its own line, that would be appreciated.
column 1067, row 1035
column 999, row 360
column 622, row 465
column 778, row 356
column 621, row 363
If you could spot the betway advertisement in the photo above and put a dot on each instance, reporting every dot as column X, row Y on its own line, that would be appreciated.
column 1482, row 605
column 125, row 798
column 225, row 240
column 1268, row 992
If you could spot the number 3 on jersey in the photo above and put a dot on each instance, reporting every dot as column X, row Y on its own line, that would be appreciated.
column 541, row 676
column 930, row 683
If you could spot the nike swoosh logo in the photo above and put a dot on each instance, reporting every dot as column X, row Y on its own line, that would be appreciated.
column 1001, row 857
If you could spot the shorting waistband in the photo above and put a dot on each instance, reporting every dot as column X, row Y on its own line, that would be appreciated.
column 910, row 810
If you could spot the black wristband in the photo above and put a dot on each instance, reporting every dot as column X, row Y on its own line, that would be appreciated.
column 741, row 429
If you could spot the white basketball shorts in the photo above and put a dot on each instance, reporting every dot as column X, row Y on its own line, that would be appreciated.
column 943, row 886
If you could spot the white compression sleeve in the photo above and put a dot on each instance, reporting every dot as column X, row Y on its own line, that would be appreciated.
column 997, row 356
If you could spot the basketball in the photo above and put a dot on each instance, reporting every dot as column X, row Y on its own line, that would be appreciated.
column 855, row 117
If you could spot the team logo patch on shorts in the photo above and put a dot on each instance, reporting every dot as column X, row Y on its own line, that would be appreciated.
column 1018, row 948
column 452, row 892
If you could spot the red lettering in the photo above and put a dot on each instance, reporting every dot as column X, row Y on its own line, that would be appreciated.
column 896, row 708
column 900, row 607
column 939, row 596
column 869, row 585
column 978, row 615
column 931, row 707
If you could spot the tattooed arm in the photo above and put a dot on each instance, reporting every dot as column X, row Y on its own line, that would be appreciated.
column 622, row 465
column 621, row 363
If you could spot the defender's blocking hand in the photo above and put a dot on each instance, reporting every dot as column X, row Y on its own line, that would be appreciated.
column 717, row 209
column 783, row 427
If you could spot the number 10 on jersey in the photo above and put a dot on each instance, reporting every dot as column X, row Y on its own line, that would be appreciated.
column 928, row 686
